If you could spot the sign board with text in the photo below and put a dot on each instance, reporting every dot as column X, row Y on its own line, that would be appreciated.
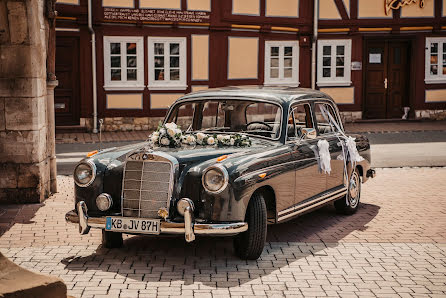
column 155, row 15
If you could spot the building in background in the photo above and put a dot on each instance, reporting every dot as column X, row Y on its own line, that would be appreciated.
column 374, row 57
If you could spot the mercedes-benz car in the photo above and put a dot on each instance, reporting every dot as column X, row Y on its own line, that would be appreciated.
column 236, row 160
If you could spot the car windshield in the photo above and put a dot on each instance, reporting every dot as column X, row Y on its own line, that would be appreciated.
column 252, row 117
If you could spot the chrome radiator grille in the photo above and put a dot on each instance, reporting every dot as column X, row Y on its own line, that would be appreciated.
column 146, row 188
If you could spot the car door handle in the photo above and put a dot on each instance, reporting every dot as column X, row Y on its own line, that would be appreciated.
column 385, row 83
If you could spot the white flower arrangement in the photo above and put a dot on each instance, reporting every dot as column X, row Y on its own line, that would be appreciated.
column 170, row 134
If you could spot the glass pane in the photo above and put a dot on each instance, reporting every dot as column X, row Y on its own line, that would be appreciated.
column 159, row 74
column 115, row 61
column 174, row 48
column 444, row 47
column 434, row 69
column 115, row 48
column 339, row 72
column 339, row 61
column 131, row 61
column 434, row 47
column 274, row 73
column 159, row 49
column 326, row 50
column 444, row 69
column 288, row 62
column 434, row 59
column 274, row 51
column 131, row 74
column 326, row 72
column 288, row 73
column 397, row 56
column 175, row 74
column 174, row 61
column 115, row 74
column 288, row 51
column 326, row 61
column 131, row 48
column 444, row 59
column 159, row 61
column 274, row 62
column 340, row 50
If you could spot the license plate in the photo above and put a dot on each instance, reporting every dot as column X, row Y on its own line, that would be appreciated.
column 133, row 225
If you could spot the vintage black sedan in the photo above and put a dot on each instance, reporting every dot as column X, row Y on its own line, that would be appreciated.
column 225, row 162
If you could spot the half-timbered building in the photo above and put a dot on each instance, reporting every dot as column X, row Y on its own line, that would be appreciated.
column 126, row 61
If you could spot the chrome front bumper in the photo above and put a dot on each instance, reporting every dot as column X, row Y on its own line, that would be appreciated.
column 189, row 228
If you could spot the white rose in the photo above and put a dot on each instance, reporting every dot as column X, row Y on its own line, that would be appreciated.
column 200, row 136
column 171, row 132
column 177, row 131
column 170, row 125
column 165, row 141
column 156, row 134
column 190, row 139
column 232, row 142
column 211, row 141
column 155, row 138
column 220, row 137
column 162, row 131
column 227, row 138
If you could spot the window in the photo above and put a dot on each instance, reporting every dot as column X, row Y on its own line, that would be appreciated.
column 282, row 63
column 298, row 120
column 323, row 120
column 435, row 60
column 123, row 63
column 334, row 62
column 167, row 63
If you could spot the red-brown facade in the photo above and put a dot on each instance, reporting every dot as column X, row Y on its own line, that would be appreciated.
column 223, row 26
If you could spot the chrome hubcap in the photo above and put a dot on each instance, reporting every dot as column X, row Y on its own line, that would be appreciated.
column 354, row 189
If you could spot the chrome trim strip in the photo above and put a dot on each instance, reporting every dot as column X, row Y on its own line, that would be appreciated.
column 167, row 227
column 300, row 205
column 302, row 210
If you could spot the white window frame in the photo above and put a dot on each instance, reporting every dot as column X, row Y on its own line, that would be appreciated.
column 439, row 78
column 167, row 84
column 333, row 80
column 294, row 80
column 123, row 84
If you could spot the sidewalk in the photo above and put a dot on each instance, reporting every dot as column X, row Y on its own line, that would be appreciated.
column 381, row 127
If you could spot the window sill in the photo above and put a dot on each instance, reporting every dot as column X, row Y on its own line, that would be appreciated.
column 124, row 88
column 435, row 81
column 167, row 87
column 334, row 84
column 293, row 84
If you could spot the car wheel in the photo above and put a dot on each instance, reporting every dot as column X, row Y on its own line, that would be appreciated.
column 111, row 239
column 352, row 197
column 249, row 244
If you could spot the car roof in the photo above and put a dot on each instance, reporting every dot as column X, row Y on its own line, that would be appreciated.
column 279, row 94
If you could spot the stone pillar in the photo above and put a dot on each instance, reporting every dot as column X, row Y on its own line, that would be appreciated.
column 24, row 158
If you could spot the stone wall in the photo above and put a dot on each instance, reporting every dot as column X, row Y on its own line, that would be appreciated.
column 24, row 162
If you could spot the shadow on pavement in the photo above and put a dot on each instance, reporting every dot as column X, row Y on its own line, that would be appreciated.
column 211, row 260
column 13, row 214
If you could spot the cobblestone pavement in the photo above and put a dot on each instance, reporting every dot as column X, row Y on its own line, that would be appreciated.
column 395, row 246
column 83, row 138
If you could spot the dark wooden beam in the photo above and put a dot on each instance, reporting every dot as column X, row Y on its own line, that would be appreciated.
column 341, row 8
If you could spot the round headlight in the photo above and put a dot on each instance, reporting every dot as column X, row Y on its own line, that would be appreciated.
column 215, row 179
column 84, row 173
column 104, row 201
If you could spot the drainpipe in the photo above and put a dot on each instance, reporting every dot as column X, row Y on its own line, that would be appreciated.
column 93, row 67
column 313, row 48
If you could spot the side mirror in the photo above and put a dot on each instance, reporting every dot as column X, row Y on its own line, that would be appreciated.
column 309, row 133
